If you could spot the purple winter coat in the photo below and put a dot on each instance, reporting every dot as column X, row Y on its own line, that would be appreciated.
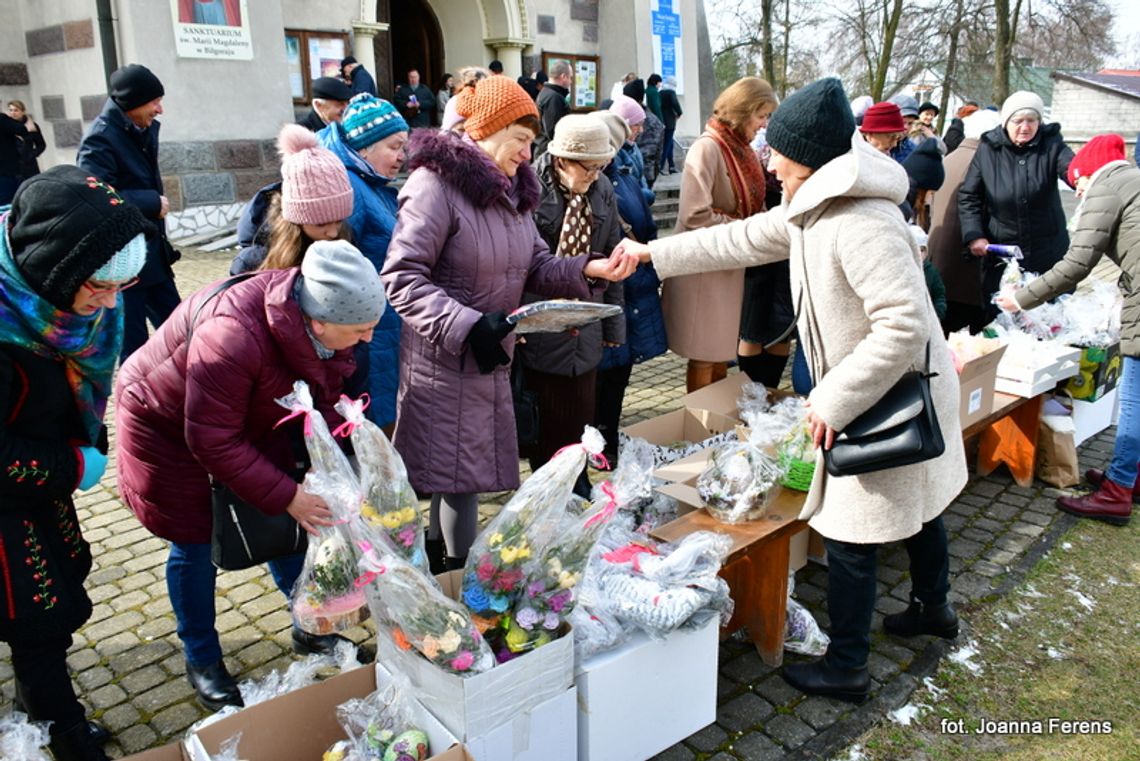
column 186, row 410
column 464, row 245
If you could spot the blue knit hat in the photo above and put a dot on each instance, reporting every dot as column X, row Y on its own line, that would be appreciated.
column 369, row 120
column 814, row 124
column 126, row 263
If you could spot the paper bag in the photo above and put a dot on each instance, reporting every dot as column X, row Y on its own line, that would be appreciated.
column 1057, row 453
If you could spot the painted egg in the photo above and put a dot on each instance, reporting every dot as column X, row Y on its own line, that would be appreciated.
column 411, row 745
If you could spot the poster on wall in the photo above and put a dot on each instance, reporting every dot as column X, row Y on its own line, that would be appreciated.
column 586, row 85
column 325, row 54
column 667, row 53
column 212, row 29
column 296, row 68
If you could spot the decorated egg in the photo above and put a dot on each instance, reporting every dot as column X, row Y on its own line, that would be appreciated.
column 411, row 745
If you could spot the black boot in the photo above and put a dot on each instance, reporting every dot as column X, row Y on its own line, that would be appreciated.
column 939, row 620
column 818, row 678
column 75, row 744
column 98, row 733
column 455, row 564
column 436, row 551
column 214, row 685
column 325, row 644
column 582, row 487
column 766, row 369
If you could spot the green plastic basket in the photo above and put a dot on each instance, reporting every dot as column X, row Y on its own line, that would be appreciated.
column 799, row 474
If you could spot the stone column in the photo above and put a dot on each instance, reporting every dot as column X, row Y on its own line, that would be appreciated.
column 363, row 33
column 509, row 51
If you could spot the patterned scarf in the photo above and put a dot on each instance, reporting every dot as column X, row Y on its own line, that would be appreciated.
column 744, row 170
column 88, row 344
column 577, row 224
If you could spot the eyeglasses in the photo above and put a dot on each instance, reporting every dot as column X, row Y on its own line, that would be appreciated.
column 103, row 290
column 591, row 168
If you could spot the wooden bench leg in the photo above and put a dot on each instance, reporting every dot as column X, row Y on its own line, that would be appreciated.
column 1012, row 441
column 767, row 597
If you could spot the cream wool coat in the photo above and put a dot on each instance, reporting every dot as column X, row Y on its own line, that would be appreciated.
column 866, row 317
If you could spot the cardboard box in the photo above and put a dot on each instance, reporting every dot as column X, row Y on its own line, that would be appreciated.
column 472, row 706
column 543, row 732
column 720, row 397
column 680, row 433
column 1052, row 363
column 686, row 470
column 642, row 697
column 171, row 752
column 303, row 724
column 1090, row 418
column 816, row 551
column 1100, row 369
column 977, row 380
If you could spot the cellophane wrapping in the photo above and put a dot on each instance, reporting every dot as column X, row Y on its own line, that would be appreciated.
column 413, row 611
column 380, row 727
column 496, row 563
column 390, row 505
column 23, row 739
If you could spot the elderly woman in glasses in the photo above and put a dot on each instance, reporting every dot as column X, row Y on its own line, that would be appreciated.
column 69, row 245
column 578, row 215
column 1010, row 192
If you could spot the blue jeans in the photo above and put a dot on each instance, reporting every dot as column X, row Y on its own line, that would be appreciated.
column 851, row 588
column 1126, row 451
column 667, row 151
column 801, row 376
column 190, row 579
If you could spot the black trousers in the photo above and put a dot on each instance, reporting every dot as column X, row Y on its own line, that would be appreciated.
column 612, row 383
column 851, row 588
column 144, row 303
column 43, row 684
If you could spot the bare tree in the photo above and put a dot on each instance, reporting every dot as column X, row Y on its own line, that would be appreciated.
column 759, row 38
column 955, row 33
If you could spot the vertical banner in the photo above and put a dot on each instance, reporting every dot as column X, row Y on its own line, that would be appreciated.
column 667, row 52
column 586, row 85
column 212, row 29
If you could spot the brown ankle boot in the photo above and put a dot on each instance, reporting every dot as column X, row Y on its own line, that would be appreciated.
column 1095, row 475
column 1111, row 503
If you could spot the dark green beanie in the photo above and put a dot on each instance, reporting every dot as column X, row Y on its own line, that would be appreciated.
column 814, row 124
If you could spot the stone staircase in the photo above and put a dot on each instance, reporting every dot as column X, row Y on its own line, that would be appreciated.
column 668, row 190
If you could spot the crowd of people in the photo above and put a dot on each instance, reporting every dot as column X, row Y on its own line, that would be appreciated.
column 844, row 235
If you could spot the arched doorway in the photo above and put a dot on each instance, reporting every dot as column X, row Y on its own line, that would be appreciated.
column 417, row 43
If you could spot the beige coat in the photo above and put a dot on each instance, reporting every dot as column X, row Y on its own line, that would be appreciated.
column 867, row 322
column 702, row 312
column 961, row 276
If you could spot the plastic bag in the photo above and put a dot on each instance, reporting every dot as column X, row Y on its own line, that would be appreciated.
column 380, row 727
column 325, row 598
column 743, row 478
column 1091, row 315
column 640, row 506
column 22, row 739
column 1043, row 322
column 801, row 632
column 416, row 614
column 390, row 504
column 228, row 750
column 549, row 591
column 493, row 576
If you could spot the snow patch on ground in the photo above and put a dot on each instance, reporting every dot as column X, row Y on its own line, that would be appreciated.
column 1055, row 654
column 854, row 753
column 964, row 656
column 1066, row 545
column 935, row 691
column 1031, row 591
column 1087, row 602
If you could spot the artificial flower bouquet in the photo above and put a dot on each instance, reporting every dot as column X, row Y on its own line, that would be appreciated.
column 390, row 504
column 495, row 571
column 413, row 611
column 380, row 727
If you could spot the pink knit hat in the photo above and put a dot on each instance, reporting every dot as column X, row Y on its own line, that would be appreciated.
column 314, row 186
column 628, row 109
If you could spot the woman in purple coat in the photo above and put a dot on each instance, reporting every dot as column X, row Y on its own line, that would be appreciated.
column 464, row 250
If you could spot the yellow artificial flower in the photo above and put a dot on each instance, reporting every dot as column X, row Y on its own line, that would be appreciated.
column 495, row 540
column 509, row 554
column 407, row 515
column 431, row 647
column 566, row 579
column 391, row 520
column 517, row 638
column 524, row 551
column 368, row 512
column 449, row 642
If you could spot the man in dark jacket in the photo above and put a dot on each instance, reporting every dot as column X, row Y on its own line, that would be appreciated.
column 415, row 101
column 670, row 110
column 121, row 149
column 553, row 103
column 330, row 97
column 12, row 133
column 358, row 77
column 1010, row 192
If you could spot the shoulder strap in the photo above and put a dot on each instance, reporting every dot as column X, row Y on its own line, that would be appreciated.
column 215, row 291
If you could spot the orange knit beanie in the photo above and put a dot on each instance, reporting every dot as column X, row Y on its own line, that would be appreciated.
column 495, row 103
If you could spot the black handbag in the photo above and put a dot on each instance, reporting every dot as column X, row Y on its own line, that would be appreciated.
column 899, row 429
column 243, row 536
column 526, row 409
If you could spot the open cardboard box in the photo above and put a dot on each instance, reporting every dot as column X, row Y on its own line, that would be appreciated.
column 171, row 752
column 472, row 706
column 303, row 724
column 976, row 380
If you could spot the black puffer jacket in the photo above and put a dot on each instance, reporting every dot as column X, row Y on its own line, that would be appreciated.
column 43, row 556
column 1010, row 195
column 568, row 354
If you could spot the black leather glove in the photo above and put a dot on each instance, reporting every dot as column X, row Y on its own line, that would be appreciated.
column 486, row 341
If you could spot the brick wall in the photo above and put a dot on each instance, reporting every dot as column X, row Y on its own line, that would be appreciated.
column 206, row 173
column 1086, row 111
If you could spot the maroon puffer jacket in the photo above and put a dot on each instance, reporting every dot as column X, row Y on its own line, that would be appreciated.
column 183, row 412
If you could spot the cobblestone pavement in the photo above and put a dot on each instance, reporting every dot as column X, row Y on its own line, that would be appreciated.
column 128, row 665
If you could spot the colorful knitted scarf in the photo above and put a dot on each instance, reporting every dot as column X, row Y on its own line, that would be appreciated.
column 744, row 170
column 88, row 344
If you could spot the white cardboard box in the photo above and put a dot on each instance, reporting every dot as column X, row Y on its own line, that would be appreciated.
column 303, row 724
column 472, row 706
column 544, row 732
column 646, row 695
column 1090, row 418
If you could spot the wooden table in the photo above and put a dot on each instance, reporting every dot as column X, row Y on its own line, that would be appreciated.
column 756, row 568
column 1009, row 436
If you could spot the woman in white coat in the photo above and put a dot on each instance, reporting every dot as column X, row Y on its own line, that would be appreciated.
column 866, row 319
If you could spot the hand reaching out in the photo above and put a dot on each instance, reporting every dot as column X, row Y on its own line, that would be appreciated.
column 618, row 266
column 630, row 247
column 309, row 510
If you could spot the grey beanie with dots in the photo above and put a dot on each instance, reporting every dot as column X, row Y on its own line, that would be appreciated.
column 339, row 285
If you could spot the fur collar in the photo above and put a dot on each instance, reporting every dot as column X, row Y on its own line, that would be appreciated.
column 463, row 165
